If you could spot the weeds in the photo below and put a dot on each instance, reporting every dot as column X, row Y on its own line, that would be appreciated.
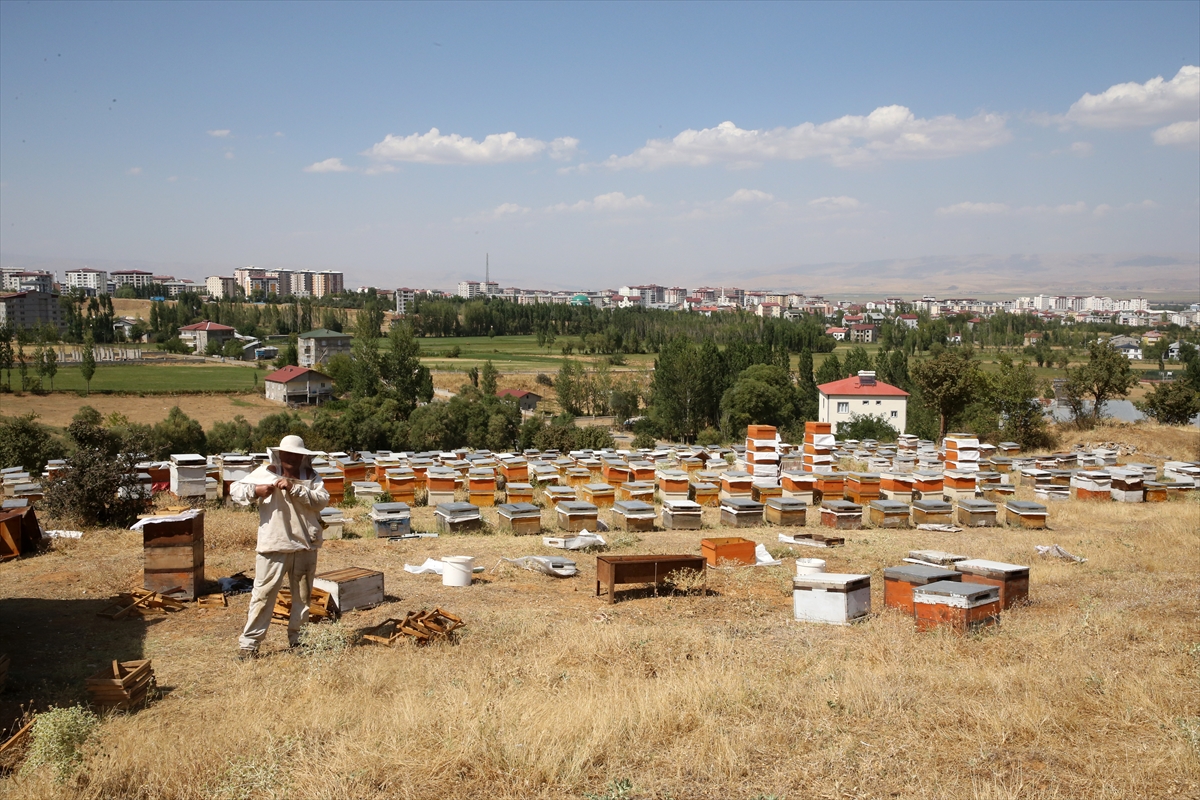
column 617, row 790
column 58, row 737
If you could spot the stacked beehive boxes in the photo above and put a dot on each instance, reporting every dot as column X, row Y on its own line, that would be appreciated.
column 762, row 451
column 173, row 552
column 189, row 472
column 818, row 447
column 962, row 452
column 481, row 487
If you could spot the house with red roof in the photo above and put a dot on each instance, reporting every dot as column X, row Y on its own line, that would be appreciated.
column 199, row 334
column 860, row 396
column 298, row 386
column 526, row 400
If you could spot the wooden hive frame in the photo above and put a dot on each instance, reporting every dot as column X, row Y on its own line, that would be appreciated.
column 123, row 685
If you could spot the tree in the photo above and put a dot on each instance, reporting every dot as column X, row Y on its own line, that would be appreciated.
column 762, row 394
column 807, row 396
column 1107, row 375
column 830, row 370
column 1171, row 403
column 50, row 363
column 87, row 367
column 570, row 387
column 234, row 436
column 947, row 383
column 1016, row 389
column 22, row 365
column 679, row 389
column 867, row 426
column 6, row 352
column 856, row 360
column 402, row 372
column 99, row 485
column 178, row 433
column 232, row 348
column 25, row 443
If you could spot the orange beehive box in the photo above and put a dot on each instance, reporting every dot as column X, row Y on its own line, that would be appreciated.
column 1011, row 579
column 441, row 480
column 818, row 427
column 578, row 476
column 514, row 471
column 893, row 482
column 641, row 472
column 797, row 482
column 761, row 432
column 925, row 482
column 615, row 473
column 898, row 583
column 961, row 606
column 958, row 480
column 736, row 483
column 673, row 482
column 729, row 549
column 519, row 492
column 830, row 485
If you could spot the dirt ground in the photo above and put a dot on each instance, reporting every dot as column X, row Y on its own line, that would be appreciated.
column 57, row 408
column 1090, row 690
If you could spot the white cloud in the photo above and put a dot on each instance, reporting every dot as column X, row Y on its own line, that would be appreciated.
column 889, row 132
column 1180, row 134
column 840, row 203
column 508, row 209
column 328, row 165
column 279, row 134
column 220, row 134
column 1081, row 149
column 134, row 171
column 1131, row 105
column 613, row 201
column 744, row 196
column 229, row 154
column 972, row 209
column 496, row 148
column 1065, row 208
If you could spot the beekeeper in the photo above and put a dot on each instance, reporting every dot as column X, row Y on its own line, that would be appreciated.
column 290, row 496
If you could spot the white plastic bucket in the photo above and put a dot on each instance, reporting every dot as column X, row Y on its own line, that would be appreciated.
column 809, row 566
column 458, row 570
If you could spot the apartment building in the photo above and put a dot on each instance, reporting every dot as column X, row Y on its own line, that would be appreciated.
column 31, row 309
column 220, row 287
column 404, row 300
column 89, row 281
column 137, row 278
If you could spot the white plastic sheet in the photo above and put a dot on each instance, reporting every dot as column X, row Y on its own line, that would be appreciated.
column 558, row 567
column 432, row 566
column 580, row 541
column 763, row 559
column 1057, row 552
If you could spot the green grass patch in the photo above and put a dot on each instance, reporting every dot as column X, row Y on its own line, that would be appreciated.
column 157, row 379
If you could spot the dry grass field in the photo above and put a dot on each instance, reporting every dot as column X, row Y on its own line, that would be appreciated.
column 1090, row 691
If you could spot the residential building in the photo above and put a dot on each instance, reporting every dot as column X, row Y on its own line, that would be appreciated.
column 328, row 282
column 864, row 333
column 404, row 300
column 526, row 400
column 28, row 281
column 675, row 295
column 31, row 309
column 909, row 320
column 318, row 346
column 219, row 287
column 840, row 401
column 177, row 287
column 769, row 310
column 1128, row 346
column 298, row 386
column 1033, row 338
column 90, row 281
column 199, row 334
column 837, row 333
column 468, row 290
column 1150, row 338
column 137, row 278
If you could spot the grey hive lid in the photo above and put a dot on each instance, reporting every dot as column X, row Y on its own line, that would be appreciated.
column 992, row 569
column 977, row 506
column 455, row 510
column 577, row 507
column 932, row 506
column 786, row 503
column 1025, row 507
column 832, row 581
column 741, row 504
column 921, row 574
column 603, row 488
column 632, row 507
column 682, row 506
column 841, row 506
column 390, row 508
column 511, row 510
column 971, row 592
column 889, row 505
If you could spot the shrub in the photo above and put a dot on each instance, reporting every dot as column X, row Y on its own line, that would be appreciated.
column 709, row 436
column 25, row 443
column 867, row 427
column 544, row 380
column 644, row 441
column 57, row 738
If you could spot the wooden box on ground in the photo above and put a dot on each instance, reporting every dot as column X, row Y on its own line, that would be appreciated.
column 928, row 485
column 351, row 588
column 633, row 515
column 736, row 484
column 888, row 514
column 706, row 494
column 601, row 495
column 575, row 516
column 830, row 485
column 576, row 477
column 558, row 494
column 841, row 514
column 673, row 482
column 613, row 570
column 19, row 531
column 457, row 518
column 1025, row 514
column 1155, row 492
column 391, row 519
column 174, row 555
column 976, row 513
column 521, row 519
column 122, row 685
column 785, row 511
column 963, row 607
column 762, row 491
column 514, row 470
column 1012, row 579
column 728, row 549
column 898, row 583
column 615, row 473
column 741, row 512
column 932, row 512
column 997, row 492
column 831, row 597
column 519, row 492
column 636, row 490
column 681, row 515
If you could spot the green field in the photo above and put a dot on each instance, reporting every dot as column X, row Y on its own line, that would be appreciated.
column 507, row 353
column 157, row 379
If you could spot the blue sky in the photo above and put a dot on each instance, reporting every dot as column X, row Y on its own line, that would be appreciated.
column 594, row 145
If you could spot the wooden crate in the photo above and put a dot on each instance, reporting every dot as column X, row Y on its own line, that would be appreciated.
column 932, row 512
column 520, row 519
column 728, row 549
column 633, row 515
column 841, row 515
column 888, row 514
column 123, row 685
column 351, row 588
column 681, row 515
column 577, row 516
column 601, row 495
column 519, row 492
column 976, row 513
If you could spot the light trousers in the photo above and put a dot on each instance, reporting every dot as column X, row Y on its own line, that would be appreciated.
column 270, row 570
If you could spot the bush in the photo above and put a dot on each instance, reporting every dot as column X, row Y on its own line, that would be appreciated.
column 544, row 380
column 867, row 427
column 57, row 738
column 1173, row 403
column 644, row 441
column 25, row 443
column 178, row 433
column 709, row 436
column 99, row 485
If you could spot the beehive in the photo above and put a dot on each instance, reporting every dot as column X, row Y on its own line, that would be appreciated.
column 963, row 607
column 888, row 514
column 173, row 555
column 932, row 512
column 520, row 519
column 833, row 598
column 1011, row 579
column 575, row 516
column 736, row 484
column 636, row 490
column 841, row 514
column 899, row 582
column 976, row 513
column 633, row 515
column 457, row 518
column 600, row 495
column 785, row 511
column 741, row 512
column 1025, row 514
column 518, row 493
column 681, row 515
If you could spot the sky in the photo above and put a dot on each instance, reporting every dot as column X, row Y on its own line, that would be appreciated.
column 593, row 145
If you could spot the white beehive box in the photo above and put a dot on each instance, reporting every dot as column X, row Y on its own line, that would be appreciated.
column 833, row 598
column 352, row 587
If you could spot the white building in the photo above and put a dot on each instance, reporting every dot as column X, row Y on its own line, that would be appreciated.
column 299, row 385
column 862, row 395
column 219, row 287
column 404, row 300
column 469, row 289
column 91, row 281
column 136, row 278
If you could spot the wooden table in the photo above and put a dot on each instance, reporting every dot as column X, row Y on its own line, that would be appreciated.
column 611, row 570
